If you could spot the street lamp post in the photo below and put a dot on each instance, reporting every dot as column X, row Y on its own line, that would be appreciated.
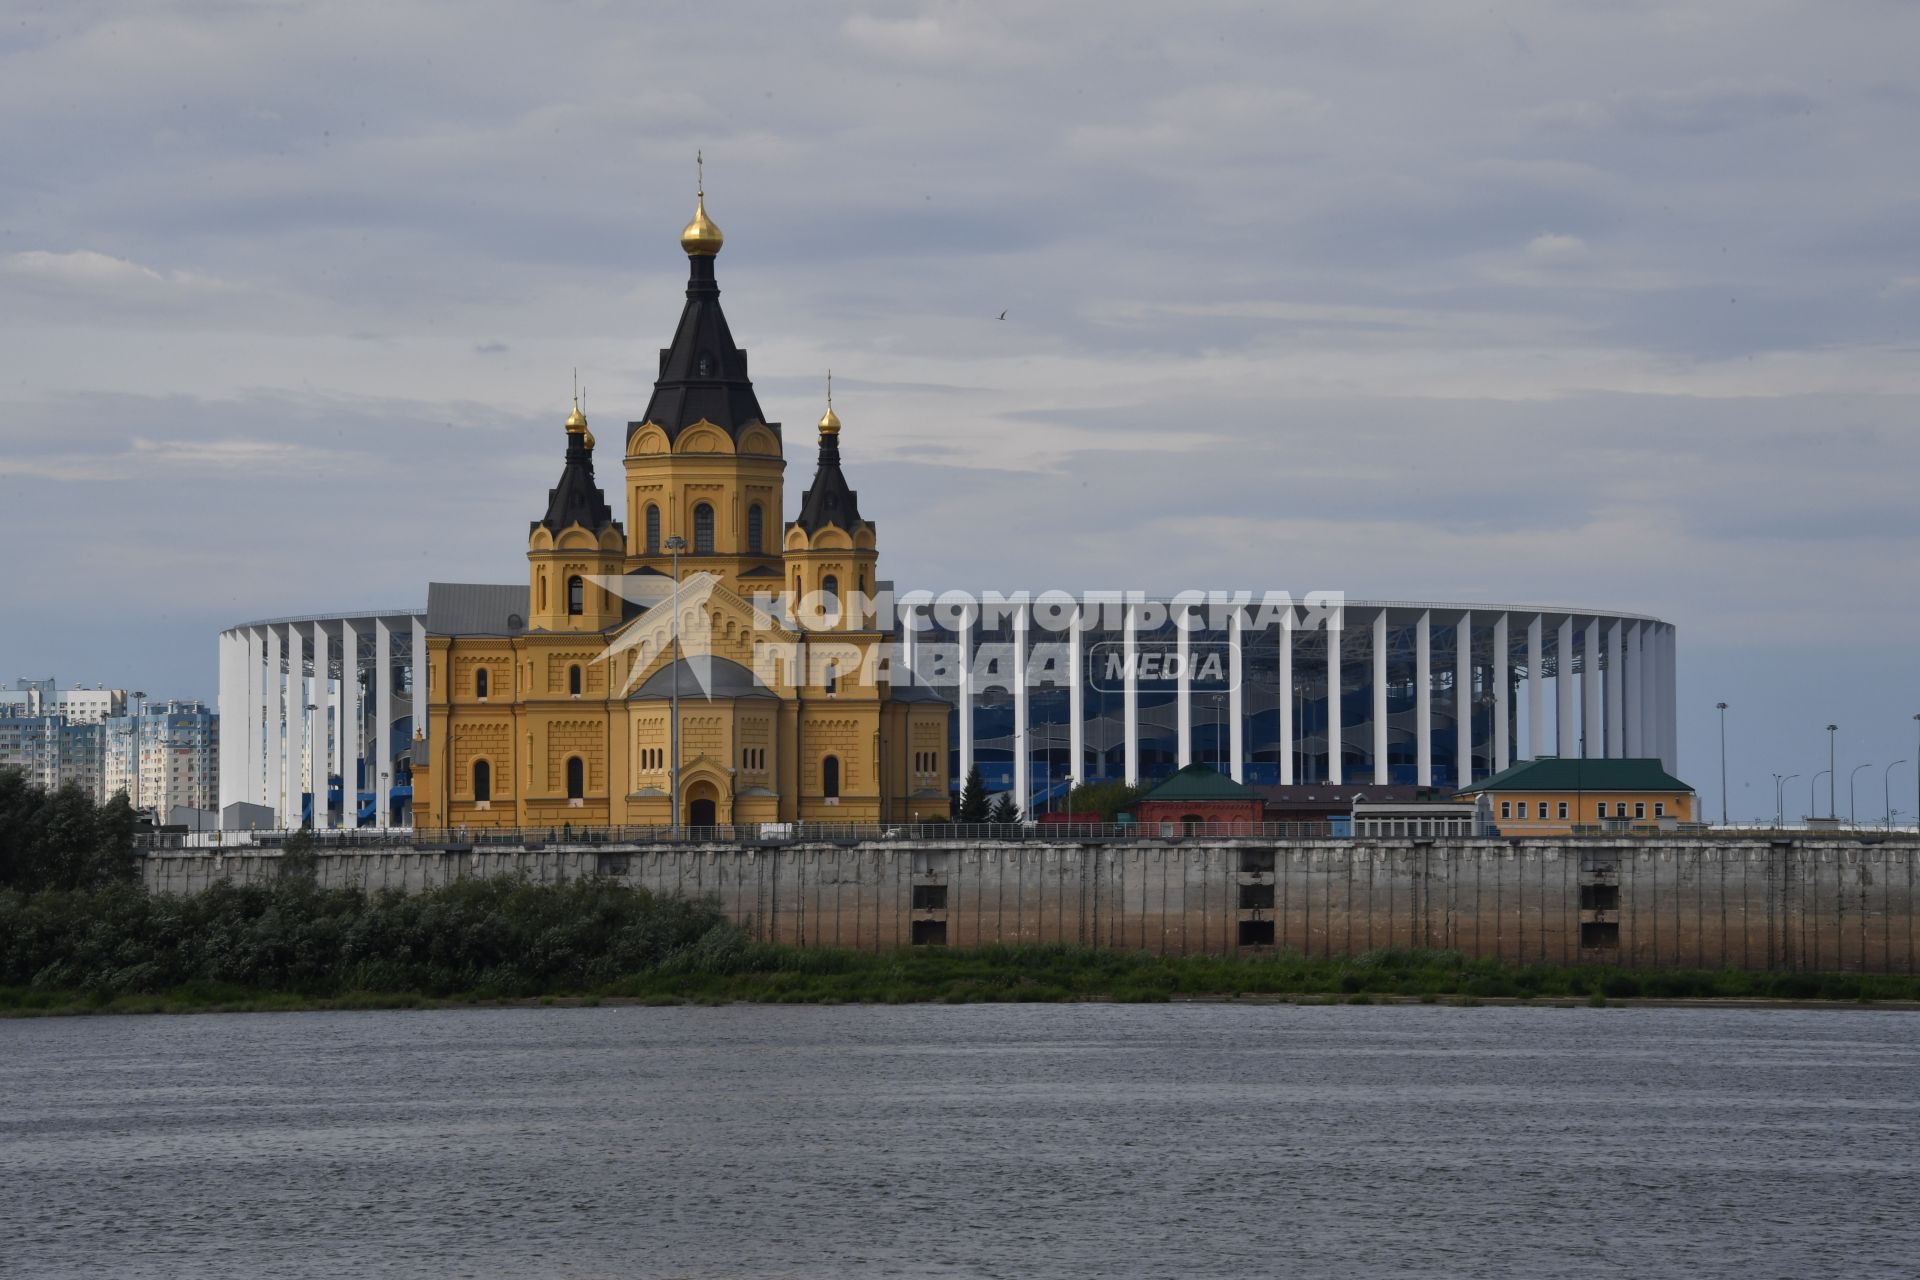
column 1831, row 779
column 1813, row 784
column 1780, row 799
column 1886, row 785
column 1916, row 781
column 1723, row 761
column 1853, row 818
column 675, row 544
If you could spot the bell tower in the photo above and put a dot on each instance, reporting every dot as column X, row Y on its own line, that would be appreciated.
column 832, row 553
column 704, row 464
column 577, row 541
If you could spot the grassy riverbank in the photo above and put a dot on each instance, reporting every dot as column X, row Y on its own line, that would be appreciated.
column 293, row 945
column 725, row 969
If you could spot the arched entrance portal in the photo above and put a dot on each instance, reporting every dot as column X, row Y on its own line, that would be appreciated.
column 703, row 805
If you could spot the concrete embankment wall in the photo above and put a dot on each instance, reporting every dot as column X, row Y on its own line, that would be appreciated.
column 1829, row 904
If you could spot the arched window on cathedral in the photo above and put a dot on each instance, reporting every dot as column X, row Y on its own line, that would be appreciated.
column 830, row 777
column 482, row 780
column 756, row 528
column 830, row 597
column 832, row 678
column 480, row 683
column 576, row 596
column 703, row 530
column 573, row 679
column 576, row 778
column 653, row 529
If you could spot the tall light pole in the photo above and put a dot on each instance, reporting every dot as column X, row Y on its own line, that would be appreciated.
column 1780, row 799
column 1916, row 781
column 675, row 544
column 1853, row 819
column 1723, row 762
column 1813, row 783
column 1831, row 730
column 1886, row 785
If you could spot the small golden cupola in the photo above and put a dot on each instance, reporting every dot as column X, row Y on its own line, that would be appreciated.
column 701, row 239
column 577, row 424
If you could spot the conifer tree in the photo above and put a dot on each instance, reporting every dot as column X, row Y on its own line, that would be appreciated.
column 973, row 798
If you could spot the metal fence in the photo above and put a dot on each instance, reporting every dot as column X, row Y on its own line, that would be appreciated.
column 755, row 834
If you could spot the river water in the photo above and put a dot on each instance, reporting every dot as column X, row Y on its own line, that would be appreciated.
column 1016, row 1141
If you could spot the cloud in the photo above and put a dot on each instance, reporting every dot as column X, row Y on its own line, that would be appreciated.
column 1411, row 302
column 1549, row 247
column 1694, row 109
column 99, row 274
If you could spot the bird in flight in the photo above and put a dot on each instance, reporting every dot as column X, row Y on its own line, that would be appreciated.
column 1001, row 316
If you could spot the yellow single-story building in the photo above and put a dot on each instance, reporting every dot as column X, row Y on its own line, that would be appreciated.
column 1551, row 796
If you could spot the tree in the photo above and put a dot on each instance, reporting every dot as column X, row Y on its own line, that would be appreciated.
column 973, row 798
column 1106, row 798
column 62, row 839
column 1004, row 811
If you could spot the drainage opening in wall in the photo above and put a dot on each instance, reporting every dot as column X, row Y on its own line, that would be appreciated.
column 1599, row 897
column 1599, row 934
column 1256, row 933
column 1256, row 897
column 1254, row 861
column 929, row 897
column 929, row 933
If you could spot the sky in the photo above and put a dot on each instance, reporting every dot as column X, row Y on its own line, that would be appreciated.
column 1611, row 305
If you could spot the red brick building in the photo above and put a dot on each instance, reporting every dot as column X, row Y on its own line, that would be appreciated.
column 1199, row 798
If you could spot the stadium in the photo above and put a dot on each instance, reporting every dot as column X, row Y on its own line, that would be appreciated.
column 1425, row 693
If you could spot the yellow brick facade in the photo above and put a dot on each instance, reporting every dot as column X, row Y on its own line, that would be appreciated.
column 554, row 723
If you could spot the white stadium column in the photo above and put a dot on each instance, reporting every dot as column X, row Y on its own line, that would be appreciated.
column 1183, row 687
column 1236, row 697
column 1286, row 697
column 350, row 725
column 1669, row 697
column 250, row 739
column 1635, row 693
column 276, row 752
column 417, row 675
column 1563, row 690
column 1380, row 697
column 383, row 720
column 1076, row 700
column 296, row 651
column 1131, row 698
column 1592, row 719
column 1022, row 750
column 1502, row 691
column 1649, row 690
column 1335, row 773
column 232, row 669
column 317, row 729
column 964, row 638
column 1463, row 700
column 1616, row 690
column 1536, row 685
column 1423, row 698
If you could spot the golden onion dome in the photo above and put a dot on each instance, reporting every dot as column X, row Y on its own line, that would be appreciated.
column 577, row 421
column 830, row 423
column 701, row 239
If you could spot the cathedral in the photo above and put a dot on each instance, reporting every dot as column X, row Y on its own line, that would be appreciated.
column 702, row 663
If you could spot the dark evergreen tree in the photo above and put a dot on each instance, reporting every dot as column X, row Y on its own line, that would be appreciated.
column 1004, row 811
column 973, row 798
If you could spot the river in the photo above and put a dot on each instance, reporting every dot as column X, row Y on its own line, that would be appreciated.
column 1015, row 1141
